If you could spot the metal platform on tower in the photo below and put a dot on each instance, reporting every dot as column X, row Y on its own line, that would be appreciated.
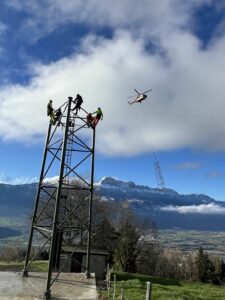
column 63, row 207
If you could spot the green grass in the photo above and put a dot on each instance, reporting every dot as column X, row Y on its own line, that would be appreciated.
column 36, row 266
column 163, row 289
column 212, row 242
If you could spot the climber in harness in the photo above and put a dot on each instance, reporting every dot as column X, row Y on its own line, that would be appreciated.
column 50, row 112
column 58, row 114
column 78, row 101
column 89, row 120
column 99, row 115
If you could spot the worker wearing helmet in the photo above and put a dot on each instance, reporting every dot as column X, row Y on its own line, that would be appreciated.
column 89, row 120
column 78, row 101
column 50, row 112
column 99, row 115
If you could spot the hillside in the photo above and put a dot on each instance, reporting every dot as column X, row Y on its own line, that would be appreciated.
column 170, row 289
column 16, row 199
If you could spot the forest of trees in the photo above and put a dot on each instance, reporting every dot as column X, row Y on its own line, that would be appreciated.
column 134, row 246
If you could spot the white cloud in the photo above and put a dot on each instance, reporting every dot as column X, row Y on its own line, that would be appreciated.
column 188, row 166
column 53, row 179
column 207, row 209
column 24, row 180
column 4, row 178
column 185, row 108
column 147, row 18
column 3, row 28
column 215, row 174
column 18, row 180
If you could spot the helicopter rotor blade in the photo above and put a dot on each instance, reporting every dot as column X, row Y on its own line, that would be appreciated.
column 137, row 92
column 132, row 96
column 147, row 91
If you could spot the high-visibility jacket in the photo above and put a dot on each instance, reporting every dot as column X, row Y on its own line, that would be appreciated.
column 99, row 113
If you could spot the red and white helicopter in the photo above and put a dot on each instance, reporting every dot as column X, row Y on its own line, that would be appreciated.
column 139, row 98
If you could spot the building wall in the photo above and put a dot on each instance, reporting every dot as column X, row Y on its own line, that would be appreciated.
column 63, row 258
column 98, row 264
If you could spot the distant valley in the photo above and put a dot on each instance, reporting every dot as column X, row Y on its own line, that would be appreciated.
column 184, row 221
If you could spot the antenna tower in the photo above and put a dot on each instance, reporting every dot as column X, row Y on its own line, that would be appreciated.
column 158, row 172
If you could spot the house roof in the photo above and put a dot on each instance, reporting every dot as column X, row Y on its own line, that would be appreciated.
column 83, row 250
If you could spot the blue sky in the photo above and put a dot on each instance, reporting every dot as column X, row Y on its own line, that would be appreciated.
column 102, row 50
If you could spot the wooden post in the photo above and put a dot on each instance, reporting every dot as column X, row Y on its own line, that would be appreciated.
column 148, row 291
column 114, row 286
column 122, row 291
column 107, row 278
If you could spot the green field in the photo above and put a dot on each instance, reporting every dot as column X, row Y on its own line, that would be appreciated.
column 191, row 240
column 19, row 224
column 185, row 240
column 37, row 266
column 162, row 289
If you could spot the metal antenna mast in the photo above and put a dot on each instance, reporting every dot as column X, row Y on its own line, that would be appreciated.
column 158, row 172
column 63, row 209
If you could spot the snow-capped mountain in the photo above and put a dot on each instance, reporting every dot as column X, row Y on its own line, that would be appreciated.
column 127, row 190
column 167, row 208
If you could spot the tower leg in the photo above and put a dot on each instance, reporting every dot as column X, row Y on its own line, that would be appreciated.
column 25, row 271
column 55, row 219
column 90, row 209
column 47, row 295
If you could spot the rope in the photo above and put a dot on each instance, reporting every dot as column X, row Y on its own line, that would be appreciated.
column 159, row 176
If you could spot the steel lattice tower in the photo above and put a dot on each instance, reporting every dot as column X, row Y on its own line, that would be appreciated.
column 158, row 172
column 63, row 209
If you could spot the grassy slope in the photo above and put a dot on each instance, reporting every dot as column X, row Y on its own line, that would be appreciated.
column 135, row 285
column 37, row 266
column 164, row 289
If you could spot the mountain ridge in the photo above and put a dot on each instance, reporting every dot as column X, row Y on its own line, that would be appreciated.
column 167, row 208
column 129, row 188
